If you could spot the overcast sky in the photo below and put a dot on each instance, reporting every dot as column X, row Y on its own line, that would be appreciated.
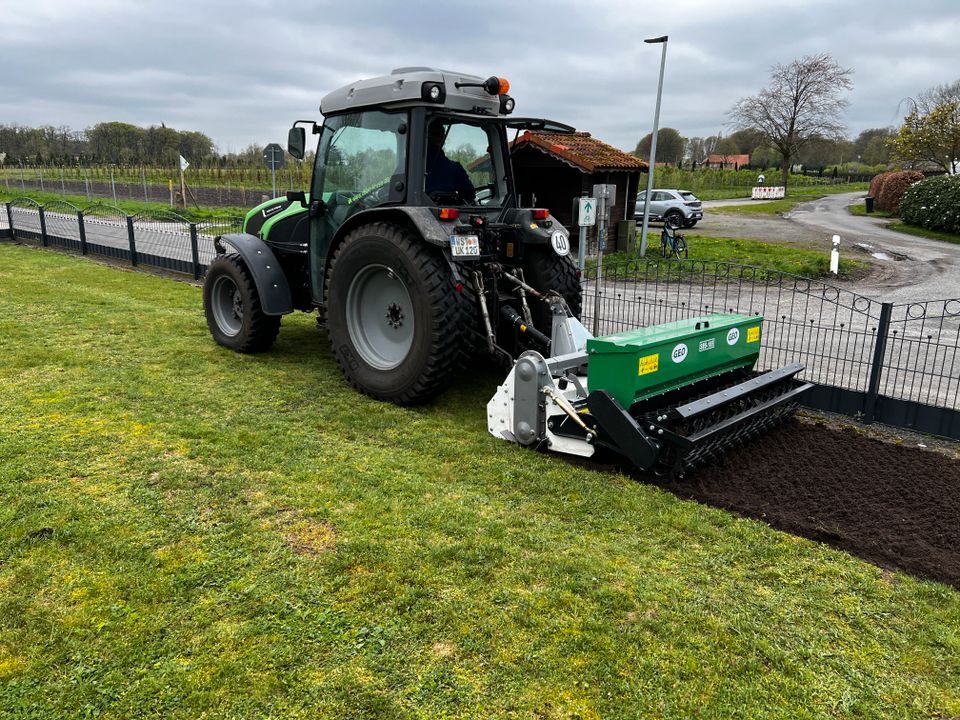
column 242, row 71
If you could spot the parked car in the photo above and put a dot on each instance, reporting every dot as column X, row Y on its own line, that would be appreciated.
column 677, row 208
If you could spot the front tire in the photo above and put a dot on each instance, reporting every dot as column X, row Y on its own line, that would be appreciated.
column 690, row 223
column 395, row 319
column 231, row 304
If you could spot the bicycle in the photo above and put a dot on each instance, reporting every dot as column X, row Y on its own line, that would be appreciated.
column 672, row 243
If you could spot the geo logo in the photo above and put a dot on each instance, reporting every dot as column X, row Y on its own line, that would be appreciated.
column 679, row 353
column 733, row 336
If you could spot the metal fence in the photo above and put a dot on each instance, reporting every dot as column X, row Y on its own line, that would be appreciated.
column 898, row 364
column 160, row 239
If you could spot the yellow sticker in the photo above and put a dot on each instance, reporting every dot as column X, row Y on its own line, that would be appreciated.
column 753, row 334
column 533, row 226
column 649, row 364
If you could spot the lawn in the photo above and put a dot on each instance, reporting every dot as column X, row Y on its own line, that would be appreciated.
column 131, row 207
column 771, row 256
column 187, row 532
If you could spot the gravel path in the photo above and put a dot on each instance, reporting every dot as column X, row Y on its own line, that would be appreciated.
column 905, row 268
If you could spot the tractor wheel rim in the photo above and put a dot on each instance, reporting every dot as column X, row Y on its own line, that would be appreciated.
column 227, row 306
column 379, row 314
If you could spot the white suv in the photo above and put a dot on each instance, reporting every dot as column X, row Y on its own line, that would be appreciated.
column 677, row 208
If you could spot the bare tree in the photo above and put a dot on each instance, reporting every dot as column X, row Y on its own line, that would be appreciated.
column 803, row 101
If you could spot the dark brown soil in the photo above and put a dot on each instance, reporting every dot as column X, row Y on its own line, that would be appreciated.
column 893, row 505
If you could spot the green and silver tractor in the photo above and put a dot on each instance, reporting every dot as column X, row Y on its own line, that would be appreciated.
column 410, row 242
column 413, row 247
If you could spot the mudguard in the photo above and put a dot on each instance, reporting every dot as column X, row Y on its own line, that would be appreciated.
column 272, row 286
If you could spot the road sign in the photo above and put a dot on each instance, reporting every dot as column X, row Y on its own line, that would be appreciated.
column 588, row 211
column 273, row 156
column 184, row 164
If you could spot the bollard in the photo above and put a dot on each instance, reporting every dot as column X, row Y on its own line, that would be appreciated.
column 835, row 255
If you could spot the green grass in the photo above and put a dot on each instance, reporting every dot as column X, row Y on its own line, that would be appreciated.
column 923, row 232
column 131, row 207
column 186, row 532
column 795, row 195
column 861, row 209
column 771, row 256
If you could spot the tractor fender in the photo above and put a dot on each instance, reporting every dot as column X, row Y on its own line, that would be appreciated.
column 421, row 218
column 272, row 285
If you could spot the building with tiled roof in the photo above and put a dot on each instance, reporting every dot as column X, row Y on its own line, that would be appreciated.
column 733, row 162
column 580, row 150
column 552, row 170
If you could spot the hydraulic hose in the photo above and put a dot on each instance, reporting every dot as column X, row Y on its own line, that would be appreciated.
column 511, row 316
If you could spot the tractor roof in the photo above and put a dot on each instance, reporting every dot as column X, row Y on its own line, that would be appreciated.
column 406, row 87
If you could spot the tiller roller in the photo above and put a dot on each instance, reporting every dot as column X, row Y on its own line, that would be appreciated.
column 668, row 397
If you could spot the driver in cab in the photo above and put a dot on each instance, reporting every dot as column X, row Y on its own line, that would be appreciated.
column 443, row 174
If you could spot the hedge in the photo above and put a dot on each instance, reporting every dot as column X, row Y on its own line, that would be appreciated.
column 933, row 204
column 890, row 188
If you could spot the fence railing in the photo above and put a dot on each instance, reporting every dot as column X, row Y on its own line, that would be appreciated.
column 898, row 364
column 159, row 239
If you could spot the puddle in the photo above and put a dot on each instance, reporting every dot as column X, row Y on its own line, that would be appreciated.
column 879, row 255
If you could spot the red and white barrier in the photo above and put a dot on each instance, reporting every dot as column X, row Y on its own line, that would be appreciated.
column 769, row 192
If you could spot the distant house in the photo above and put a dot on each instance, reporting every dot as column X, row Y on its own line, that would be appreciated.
column 734, row 162
column 927, row 167
column 552, row 170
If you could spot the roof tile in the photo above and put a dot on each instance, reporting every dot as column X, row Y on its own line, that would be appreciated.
column 580, row 150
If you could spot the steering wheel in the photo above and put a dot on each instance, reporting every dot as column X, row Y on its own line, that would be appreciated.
column 375, row 197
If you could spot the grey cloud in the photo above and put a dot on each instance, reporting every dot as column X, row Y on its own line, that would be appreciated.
column 242, row 71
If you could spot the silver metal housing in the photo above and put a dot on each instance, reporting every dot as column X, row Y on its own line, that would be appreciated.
column 403, row 88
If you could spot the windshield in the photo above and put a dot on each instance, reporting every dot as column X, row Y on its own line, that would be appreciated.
column 464, row 163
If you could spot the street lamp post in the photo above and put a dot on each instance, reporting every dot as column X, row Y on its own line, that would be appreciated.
column 653, row 146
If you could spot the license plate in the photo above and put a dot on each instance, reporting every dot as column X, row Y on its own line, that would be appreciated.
column 465, row 245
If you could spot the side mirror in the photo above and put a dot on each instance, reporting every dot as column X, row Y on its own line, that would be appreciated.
column 296, row 142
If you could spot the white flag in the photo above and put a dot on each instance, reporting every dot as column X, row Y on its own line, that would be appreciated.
column 183, row 163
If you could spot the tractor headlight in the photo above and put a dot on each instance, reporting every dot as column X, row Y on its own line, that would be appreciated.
column 506, row 104
column 433, row 92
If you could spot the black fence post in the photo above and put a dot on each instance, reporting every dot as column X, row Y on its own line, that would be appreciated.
column 195, row 250
column 13, row 235
column 83, row 233
column 43, row 227
column 879, row 349
column 133, row 242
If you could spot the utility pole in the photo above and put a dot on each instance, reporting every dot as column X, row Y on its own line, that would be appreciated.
column 653, row 146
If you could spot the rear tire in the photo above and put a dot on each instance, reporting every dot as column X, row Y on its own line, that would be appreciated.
column 544, row 270
column 396, row 322
column 232, row 306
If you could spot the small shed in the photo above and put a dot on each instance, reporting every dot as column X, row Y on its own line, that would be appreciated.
column 552, row 170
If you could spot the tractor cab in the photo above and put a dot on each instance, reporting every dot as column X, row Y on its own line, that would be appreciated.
column 429, row 148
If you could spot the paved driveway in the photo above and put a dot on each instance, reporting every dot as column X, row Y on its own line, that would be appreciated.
column 906, row 268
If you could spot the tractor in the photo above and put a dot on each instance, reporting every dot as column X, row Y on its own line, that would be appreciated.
column 410, row 243
column 412, row 246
